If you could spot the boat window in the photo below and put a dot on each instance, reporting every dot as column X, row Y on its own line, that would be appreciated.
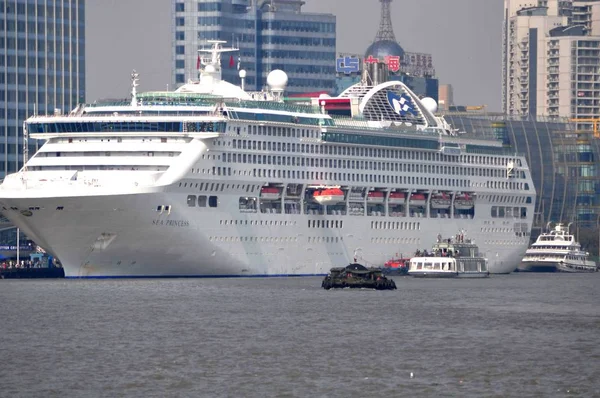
column 202, row 201
column 191, row 200
column 212, row 201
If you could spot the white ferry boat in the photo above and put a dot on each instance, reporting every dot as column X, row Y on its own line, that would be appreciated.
column 210, row 180
column 455, row 257
column 556, row 251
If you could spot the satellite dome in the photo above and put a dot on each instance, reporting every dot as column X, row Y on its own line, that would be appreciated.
column 210, row 69
column 383, row 48
column 277, row 80
column 430, row 104
column 242, row 73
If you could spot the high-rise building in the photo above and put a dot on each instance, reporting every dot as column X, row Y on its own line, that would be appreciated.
column 551, row 58
column 446, row 96
column 551, row 69
column 42, row 67
column 270, row 34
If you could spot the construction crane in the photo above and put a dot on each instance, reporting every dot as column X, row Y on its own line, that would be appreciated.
column 595, row 123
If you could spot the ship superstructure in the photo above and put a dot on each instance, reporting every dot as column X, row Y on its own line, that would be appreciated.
column 211, row 180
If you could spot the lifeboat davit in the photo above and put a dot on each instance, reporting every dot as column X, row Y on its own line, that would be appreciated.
column 397, row 198
column 417, row 199
column 440, row 201
column 269, row 193
column 329, row 196
column 463, row 202
column 375, row 197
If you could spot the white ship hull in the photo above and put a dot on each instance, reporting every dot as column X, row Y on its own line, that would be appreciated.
column 555, row 266
column 123, row 235
column 538, row 266
column 448, row 274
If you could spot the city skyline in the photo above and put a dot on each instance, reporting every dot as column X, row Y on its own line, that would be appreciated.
column 467, row 51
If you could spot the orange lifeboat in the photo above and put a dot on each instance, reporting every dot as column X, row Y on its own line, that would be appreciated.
column 417, row 199
column 269, row 193
column 375, row 197
column 397, row 198
column 329, row 196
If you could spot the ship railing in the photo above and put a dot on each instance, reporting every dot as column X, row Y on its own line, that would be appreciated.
column 374, row 125
column 276, row 106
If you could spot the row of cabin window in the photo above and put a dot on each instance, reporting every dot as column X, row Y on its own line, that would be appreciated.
column 200, row 201
column 319, row 175
column 394, row 225
column 275, row 131
column 508, row 212
column 214, row 187
column 259, row 222
column 325, row 224
column 366, row 152
column 506, row 231
column 363, row 165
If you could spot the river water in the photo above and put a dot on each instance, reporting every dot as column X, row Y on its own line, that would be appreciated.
column 513, row 335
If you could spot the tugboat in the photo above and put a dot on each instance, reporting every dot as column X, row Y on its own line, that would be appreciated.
column 396, row 266
column 357, row 276
column 456, row 257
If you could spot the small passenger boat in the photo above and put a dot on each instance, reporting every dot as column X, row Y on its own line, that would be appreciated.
column 357, row 276
column 455, row 257
column 329, row 196
column 557, row 251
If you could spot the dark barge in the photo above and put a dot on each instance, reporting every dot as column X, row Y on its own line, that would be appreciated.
column 357, row 276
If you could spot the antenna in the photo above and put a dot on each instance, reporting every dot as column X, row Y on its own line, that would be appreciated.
column 386, row 30
column 134, row 84
column 25, row 146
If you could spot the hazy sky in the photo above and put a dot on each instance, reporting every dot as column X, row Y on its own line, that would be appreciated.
column 464, row 37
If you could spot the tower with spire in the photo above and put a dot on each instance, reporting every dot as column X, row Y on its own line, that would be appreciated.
column 386, row 30
column 385, row 44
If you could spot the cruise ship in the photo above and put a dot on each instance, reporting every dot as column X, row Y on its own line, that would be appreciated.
column 556, row 250
column 212, row 180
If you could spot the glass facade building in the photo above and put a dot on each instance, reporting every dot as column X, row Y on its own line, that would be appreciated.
column 270, row 34
column 42, row 67
column 563, row 162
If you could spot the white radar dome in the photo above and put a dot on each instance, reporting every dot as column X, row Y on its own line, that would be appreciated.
column 277, row 80
column 210, row 69
column 242, row 73
column 323, row 95
column 430, row 104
